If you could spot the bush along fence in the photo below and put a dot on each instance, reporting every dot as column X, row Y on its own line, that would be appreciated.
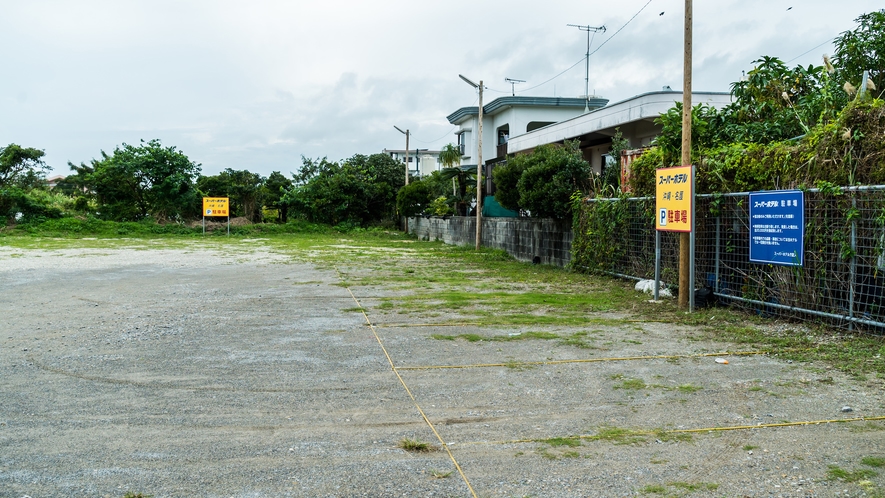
column 841, row 282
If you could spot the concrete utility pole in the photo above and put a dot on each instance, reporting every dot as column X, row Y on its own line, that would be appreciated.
column 478, row 166
column 588, row 29
column 406, row 133
column 686, row 286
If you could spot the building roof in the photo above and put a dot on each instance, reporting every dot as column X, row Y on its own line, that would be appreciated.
column 644, row 107
column 504, row 103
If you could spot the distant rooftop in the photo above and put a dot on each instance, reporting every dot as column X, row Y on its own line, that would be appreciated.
column 504, row 103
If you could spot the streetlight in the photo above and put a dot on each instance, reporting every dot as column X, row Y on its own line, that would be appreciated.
column 478, row 165
column 406, row 133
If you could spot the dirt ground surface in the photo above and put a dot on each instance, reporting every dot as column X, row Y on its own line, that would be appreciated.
column 196, row 373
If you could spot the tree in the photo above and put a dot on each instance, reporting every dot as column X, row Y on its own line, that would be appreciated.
column 450, row 155
column 275, row 187
column 507, row 178
column 242, row 187
column 413, row 199
column 552, row 175
column 22, row 172
column 360, row 190
column 860, row 49
column 21, row 166
column 133, row 182
column 464, row 178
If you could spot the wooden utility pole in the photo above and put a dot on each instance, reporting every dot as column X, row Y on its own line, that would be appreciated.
column 685, row 285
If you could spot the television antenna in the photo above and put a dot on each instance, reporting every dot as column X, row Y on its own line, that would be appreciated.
column 588, row 29
column 513, row 83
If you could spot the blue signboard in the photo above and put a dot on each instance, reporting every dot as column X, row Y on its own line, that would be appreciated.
column 777, row 227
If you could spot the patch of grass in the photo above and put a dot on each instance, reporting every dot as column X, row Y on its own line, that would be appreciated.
column 655, row 489
column 438, row 474
column 838, row 473
column 667, row 436
column 415, row 446
column 571, row 454
column 571, row 442
column 688, row 388
column 130, row 494
column 691, row 487
column 355, row 309
column 518, row 365
column 868, row 427
column 631, row 384
column 873, row 461
column 749, row 447
column 618, row 435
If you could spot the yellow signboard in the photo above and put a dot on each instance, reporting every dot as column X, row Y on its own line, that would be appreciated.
column 215, row 206
column 673, row 199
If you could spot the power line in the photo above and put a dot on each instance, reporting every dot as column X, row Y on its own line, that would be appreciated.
column 809, row 50
column 591, row 53
column 622, row 27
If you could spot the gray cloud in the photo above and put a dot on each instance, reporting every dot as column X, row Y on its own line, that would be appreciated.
column 256, row 85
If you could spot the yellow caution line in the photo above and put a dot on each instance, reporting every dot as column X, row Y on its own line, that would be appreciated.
column 409, row 392
column 688, row 431
column 586, row 360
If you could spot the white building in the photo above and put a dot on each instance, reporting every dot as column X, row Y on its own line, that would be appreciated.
column 422, row 162
column 594, row 130
column 510, row 116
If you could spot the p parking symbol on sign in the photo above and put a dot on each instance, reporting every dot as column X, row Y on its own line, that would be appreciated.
column 663, row 217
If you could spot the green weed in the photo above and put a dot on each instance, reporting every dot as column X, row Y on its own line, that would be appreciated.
column 415, row 445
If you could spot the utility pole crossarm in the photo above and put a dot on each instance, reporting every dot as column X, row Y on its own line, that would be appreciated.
column 589, row 29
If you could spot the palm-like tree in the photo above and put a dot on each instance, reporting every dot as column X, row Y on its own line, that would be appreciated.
column 450, row 157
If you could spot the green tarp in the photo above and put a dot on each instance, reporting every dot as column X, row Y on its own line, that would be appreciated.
column 491, row 209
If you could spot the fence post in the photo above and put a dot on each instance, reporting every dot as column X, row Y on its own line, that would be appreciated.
column 716, row 258
column 853, row 268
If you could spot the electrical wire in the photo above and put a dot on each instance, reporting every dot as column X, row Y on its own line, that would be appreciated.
column 622, row 27
column 593, row 52
column 809, row 50
column 437, row 140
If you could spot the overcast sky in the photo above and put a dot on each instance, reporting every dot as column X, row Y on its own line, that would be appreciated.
column 257, row 84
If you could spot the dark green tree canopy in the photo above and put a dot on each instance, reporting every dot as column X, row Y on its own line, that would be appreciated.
column 860, row 49
column 21, row 166
column 242, row 187
column 135, row 182
column 552, row 174
column 360, row 190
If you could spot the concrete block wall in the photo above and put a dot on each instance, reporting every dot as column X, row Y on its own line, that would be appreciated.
column 523, row 238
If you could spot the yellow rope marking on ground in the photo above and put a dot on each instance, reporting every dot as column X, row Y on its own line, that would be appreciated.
column 587, row 360
column 409, row 392
column 689, row 431
column 410, row 325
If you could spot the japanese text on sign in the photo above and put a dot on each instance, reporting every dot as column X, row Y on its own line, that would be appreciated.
column 673, row 199
column 215, row 206
column 777, row 227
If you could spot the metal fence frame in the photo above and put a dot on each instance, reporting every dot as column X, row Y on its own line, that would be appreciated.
column 841, row 282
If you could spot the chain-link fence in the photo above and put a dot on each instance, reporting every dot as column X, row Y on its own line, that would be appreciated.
column 841, row 280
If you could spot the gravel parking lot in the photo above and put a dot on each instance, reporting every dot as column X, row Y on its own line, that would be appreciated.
column 200, row 372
